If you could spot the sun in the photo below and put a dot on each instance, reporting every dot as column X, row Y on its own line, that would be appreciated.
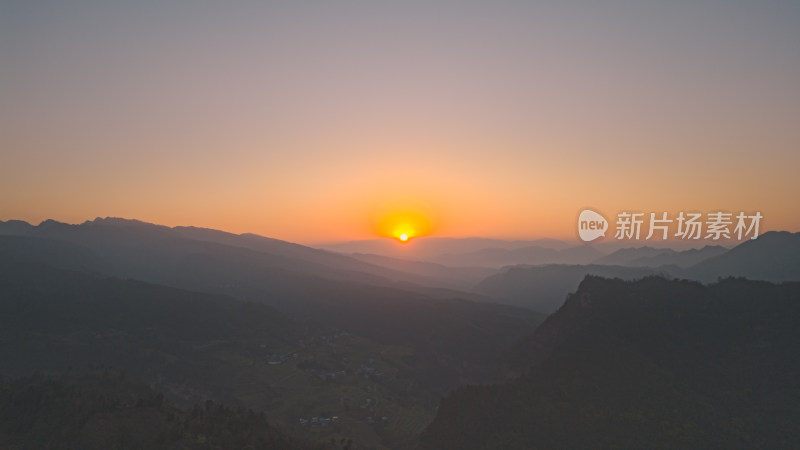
column 404, row 226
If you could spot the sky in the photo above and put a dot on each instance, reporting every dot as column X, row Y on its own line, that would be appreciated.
column 320, row 121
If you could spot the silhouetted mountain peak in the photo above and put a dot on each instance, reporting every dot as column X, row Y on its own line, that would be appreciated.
column 776, row 235
column 705, row 248
column 15, row 227
column 120, row 222
column 50, row 223
column 639, row 365
column 646, row 248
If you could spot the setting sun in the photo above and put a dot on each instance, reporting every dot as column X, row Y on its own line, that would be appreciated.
column 403, row 225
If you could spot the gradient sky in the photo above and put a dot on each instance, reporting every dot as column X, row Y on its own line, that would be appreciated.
column 312, row 121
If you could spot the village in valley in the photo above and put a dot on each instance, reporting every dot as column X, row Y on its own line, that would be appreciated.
column 334, row 384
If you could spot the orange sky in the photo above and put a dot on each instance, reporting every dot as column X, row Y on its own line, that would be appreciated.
column 311, row 125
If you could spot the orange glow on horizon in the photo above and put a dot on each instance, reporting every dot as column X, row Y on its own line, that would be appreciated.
column 443, row 136
column 404, row 225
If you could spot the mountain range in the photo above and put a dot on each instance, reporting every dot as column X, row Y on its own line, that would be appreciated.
column 299, row 333
column 657, row 257
column 248, row 321
column 771, row 257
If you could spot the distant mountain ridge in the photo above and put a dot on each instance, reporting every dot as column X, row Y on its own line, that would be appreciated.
column 460, row 277
column 125, row 247
column 498, row 257
column 428, row 247
column 655, row 257
column 774, row 256
column 544, row 288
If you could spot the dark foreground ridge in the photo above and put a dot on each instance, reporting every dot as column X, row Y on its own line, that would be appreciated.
column 110, row 411
column 645, row 364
